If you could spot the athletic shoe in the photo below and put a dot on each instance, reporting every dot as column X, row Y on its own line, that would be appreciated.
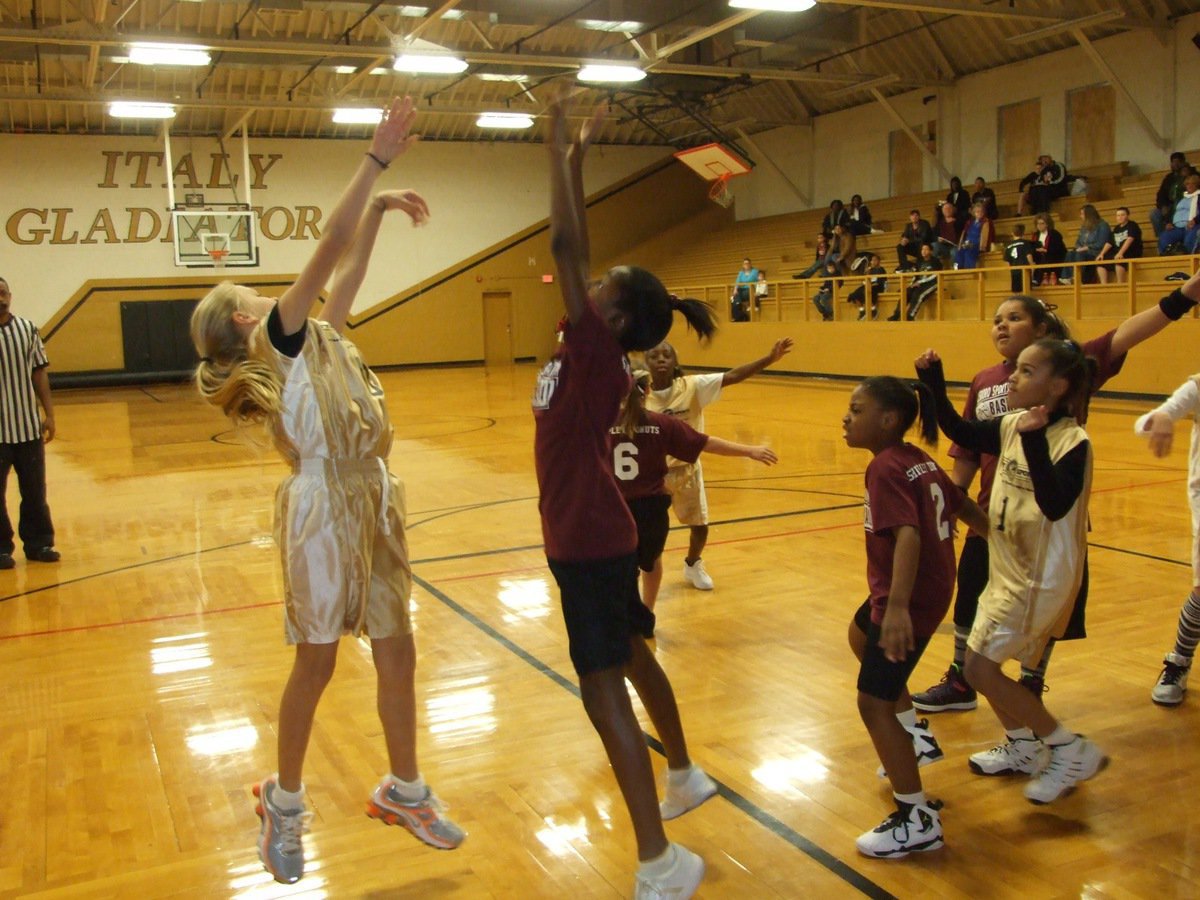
column 6, row 561
column 422, row 817
column 685, row 875
column 280, row 843
column 42, row 554
column 1066, row 281
column 902, row 833
column 1022, row 755
column 696, row 576
column 952, row 692
column 925, row 746
column 1035, row 684
column 862, row 314
column 1172, row 683
column 678, row 800
column 1178, row 276
column 1069, row 764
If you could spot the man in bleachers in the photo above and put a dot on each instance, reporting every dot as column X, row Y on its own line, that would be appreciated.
column 1181, row 235
column 1168, row 194
column 948, row 232
column 1126, row 244
column 917, row 233
column 1043, row 186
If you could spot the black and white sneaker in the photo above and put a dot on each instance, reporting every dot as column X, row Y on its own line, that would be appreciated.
column 1178, row 276
column 917, row 830
column 925, row 746
column 1172, row 681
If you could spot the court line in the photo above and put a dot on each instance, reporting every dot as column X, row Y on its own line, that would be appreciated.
column 814, row 851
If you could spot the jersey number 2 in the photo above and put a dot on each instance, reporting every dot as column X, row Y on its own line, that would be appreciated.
column 625, row 461
column 939, row 501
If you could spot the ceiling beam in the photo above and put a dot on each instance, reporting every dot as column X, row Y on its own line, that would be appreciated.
column 1119, row 86
column 1100, row 18
column 951, row 8
column 430, row 19
column 701, row 34
column 908, row 130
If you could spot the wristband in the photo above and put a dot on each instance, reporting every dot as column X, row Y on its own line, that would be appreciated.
column 1176, row 305
column 381, row 163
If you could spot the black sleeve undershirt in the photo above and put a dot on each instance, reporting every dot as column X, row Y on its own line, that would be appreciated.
column 982, row 437
column 287, row 344
column 1056, row 486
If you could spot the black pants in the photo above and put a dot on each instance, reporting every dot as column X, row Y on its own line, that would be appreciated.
column 36, row 529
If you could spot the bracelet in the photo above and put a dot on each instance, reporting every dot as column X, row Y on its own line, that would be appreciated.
column 1176, row 305
column 382, row 164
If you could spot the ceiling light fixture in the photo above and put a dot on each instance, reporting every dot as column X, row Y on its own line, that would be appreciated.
column 429, row 64
column 169, row 55
column 357, row 116
column 504, row 120
column 122, row 109
column 774, row 5
column 610, row 73
column 518, row 78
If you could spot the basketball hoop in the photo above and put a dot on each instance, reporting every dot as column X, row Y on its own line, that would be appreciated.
column 218, row 255
column 719, row 193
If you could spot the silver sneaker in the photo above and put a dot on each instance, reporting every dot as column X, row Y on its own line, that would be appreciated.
column 1022, row 755
column 280, row 842
column 1069, row 764
column 1172, row 682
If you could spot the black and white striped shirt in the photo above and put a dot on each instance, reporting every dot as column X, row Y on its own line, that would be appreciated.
column 21, row 352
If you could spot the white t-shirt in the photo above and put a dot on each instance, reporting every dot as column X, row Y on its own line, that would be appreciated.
column 686, row 397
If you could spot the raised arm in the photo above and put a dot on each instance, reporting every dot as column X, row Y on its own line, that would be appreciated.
column 568, row 223
column 1150, row 322
column 352, row 268
column 983, row 437
column 723, row 447
column 782, row 348
column 391, row 139
column 1056, row 485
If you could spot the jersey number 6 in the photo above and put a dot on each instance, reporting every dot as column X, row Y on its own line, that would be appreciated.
column 625, row 461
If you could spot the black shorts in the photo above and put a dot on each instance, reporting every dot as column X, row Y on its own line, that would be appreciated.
column 653, row 523
column 602, row 610
column 878, row 676
column 972, row 579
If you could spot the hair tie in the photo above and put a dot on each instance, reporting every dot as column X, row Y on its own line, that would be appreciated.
column 206, row 359
column 674, row 298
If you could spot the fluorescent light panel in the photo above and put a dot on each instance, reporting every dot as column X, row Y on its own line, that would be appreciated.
column 357, row 116
column 495, row 76
column 504, row 120
column 774, row 5
column 133, row 110
column 429, row 64
column 169, row 55
column 609, row 73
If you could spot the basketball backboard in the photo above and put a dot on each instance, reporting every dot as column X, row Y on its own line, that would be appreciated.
column 712, row 161
column 202, row 234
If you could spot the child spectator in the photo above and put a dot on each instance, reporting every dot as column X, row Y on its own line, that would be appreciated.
column 1127, row 241
column 917, row 233
column 823, row 298
column 877, row 283
column 922, row 287
column 1019, row 252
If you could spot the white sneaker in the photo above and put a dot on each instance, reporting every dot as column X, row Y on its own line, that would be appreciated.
column 1069, row 764
column 901, row 834
column 1024, row 755
column 685, row 875
column 1172, row 681
column 697, row 577
column 925, row 746
column 695, row 790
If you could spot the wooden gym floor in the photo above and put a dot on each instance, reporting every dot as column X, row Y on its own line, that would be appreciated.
column 141, row 675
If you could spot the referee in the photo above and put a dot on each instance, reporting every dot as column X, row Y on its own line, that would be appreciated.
column 23, row 435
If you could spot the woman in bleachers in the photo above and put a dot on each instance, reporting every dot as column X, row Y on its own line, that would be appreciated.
column 956, row 197
column 977, row 237
column 860, row 216
column 747, row 277
column 844, row 248
column 1049, row 250
column 1094, row 242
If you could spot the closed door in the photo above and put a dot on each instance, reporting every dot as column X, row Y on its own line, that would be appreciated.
column 1020, row 138
column 906, row 159
column 497, row 328
column 1091, row 138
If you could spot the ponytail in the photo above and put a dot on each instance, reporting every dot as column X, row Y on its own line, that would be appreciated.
column 649, row 309
column 1067, row 360
column 633, row 411
column 910, row 399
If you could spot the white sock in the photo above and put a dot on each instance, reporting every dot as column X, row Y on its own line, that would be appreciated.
column 286, row 800
column 660, row 866
column 908, row 718
column 679, row 777
column 1020, row 734
column 917, row 799
column 409, row 791
column 1059, row 736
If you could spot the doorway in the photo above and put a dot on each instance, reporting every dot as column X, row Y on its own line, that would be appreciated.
column 497, row 328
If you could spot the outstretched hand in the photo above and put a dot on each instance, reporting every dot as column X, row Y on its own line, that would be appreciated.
column 1032, row 419
column 409, row 202
column 764, row 455
column 558, row 138
column 1162, row 433
column 589, row 130
column 782, row 348
column 392, row 136
column 927, row 359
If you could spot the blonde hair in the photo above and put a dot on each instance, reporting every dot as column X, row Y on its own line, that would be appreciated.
column 633, row 410
column 247, row 390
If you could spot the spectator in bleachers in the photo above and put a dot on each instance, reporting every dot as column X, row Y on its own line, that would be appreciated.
column 1049, row 250
column 922, row 287
column 956, row 197
column 1095, row 239
column 823, row 299
column 860, row 216
column 837, row 215
column 985, row 195
column 1180, row 237
column 761, row 289
column 1019, row 252
column 916, row 234
column 877, row 283
column 1126, row 244
column 977, row 237
column 1169, row 193
column 740, row 301
column 844, row 248
column 819, row 262
column 1043, row 186
column 947, row 232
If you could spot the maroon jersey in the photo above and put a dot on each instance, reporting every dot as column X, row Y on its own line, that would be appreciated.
column 640, row 462
column 906, row 487
column 988, row 399
column 576, row 401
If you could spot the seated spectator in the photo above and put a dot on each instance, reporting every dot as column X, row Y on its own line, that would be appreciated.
column 878, row 284
column 922, row 287
column 1019, row 252
column 947, row 232
column 819, row 261
column 860, row 216
column 916, row 234
column 1043, row 186
column 956, row 197
column 1169, row 194
column 1049, row 250
column 985, row 195
column 1126, row 243
column 976, row 237
column 1180, row 237
column 761, row 289
column 844, row 248
column 837, row 215
column 1094, row 241
column 823, row 299
column 740, row 301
